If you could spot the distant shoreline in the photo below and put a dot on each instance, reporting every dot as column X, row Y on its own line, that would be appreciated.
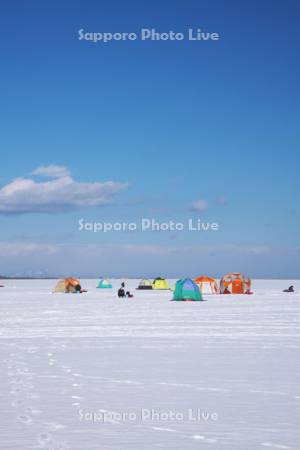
column 130, row 278
column 29, row 278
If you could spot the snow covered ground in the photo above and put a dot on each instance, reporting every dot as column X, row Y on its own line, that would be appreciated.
column 92, row 372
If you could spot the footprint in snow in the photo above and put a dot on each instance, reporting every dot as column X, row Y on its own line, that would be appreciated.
column 28, row 386
column 23, row 371
column 44, row 439
column 33, row 411
column 25, row 419
column 33, row 396
column 15, row 381
column 58, row 446
column 17, row 403
column 15, row 391
column 32, row 350
column 278, row 446
column 199, row 437
column 54, row 426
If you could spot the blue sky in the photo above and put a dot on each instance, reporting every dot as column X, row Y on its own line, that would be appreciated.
column 168, row 123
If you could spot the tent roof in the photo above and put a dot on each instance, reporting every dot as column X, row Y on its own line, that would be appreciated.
column 204, row 279
column 145, row 281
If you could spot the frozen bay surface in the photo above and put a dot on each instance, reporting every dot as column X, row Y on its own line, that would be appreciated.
column 92, row 372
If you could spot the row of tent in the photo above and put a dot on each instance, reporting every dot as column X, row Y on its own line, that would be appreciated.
column 158, row 283
column 192, row 290
column 232, row 283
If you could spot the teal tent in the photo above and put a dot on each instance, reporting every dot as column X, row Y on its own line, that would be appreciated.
column 104, row 284
column 187, row 289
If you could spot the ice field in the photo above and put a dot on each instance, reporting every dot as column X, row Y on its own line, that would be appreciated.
column 94, row 372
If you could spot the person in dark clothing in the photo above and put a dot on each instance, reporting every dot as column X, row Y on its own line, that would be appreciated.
column 122, row 293
column 79, row 290
column 290, row 289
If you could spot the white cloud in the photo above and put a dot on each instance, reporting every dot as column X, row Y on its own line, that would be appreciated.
column 199, row 205
column 25, row 195
column 52, row 171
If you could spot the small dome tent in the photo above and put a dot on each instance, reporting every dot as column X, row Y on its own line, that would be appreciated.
column 145, row 284
column 67, row 286
column 235, row 283
column 161, row 284
column 104, row 284
column 187, row 290
column 207, row 285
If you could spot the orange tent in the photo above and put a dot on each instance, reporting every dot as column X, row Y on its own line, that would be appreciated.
column 235, row 283
column 207, row 285
column 66, row 286
column 71, row 284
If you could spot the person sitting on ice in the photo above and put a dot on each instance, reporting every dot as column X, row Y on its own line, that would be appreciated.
column 290, row 289
column 226, row 291
column 78, row 289
column 122, row 293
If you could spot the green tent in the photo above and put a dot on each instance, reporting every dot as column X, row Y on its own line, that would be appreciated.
column 104, row 284
column 187, row 289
